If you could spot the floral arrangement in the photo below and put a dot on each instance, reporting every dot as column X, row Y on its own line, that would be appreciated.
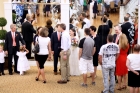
column 74, row 42
column 71, row 5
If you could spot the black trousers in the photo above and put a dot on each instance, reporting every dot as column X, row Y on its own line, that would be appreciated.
column 121, row 1
column 10, row 56
column 1, row 67
column 56, row 56
column 28, row 46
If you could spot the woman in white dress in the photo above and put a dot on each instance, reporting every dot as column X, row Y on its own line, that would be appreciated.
column 73, row 59
column 23, row 64
column 81, row 30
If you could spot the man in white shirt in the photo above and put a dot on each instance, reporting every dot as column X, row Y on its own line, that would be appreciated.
column 65, row 53
column 87, row 21
column 107, row 57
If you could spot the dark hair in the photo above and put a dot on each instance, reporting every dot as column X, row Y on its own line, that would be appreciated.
column 71, row 20
column 37, row 31
column 126, row 18
column 136, row 48
column 83, row 23
column 57, row 25
column 44, row 32
column 107, row 14
column 128, row 14
column 49, row 22
column 87, row 31
column 73, row 30
column 83, row 14
column 104, row 19
column 110, row 38
column 93, row 28
column 63, row 26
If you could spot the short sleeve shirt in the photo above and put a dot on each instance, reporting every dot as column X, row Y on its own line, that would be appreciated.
column 87, row 45
column 108, row 52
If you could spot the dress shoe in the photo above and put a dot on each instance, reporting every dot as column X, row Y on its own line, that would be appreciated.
column 10, row 73
column 17, row 72
column 62, row 82
column 36, row 78
column 55, row 73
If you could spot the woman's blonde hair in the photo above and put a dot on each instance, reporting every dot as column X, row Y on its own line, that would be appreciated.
column 123, row 42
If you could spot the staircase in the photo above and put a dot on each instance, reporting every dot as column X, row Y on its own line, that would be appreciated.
column 130, row 7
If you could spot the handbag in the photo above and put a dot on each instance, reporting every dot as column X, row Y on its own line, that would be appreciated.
column 36, row 48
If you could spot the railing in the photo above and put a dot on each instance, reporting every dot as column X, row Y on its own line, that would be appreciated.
column 128, row 6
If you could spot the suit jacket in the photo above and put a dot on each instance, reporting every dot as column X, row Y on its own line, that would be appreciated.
column 27, row 31
column 114, row 38
column 55, row 44
column 9, row 42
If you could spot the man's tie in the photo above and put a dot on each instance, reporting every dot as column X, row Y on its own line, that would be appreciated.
column 13, row 37
column 117, row 38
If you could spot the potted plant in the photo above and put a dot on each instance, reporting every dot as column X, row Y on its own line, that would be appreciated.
column 3, row 32
column 14, row 18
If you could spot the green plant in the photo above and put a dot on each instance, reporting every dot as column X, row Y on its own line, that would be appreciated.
column 3, row 22
column 2, row 34
column 13, row 16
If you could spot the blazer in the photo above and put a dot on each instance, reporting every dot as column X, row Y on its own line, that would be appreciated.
column 9, row 42
column 55, row 44
column 27, row 31
column 114, row 38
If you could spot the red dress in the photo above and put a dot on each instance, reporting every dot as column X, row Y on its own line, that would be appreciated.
column 121, row 68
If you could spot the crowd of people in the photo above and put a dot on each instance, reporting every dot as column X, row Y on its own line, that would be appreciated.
column 79, row 51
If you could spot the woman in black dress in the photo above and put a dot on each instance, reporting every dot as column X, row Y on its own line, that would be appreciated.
column 50, row 28
column 103, row 32
column 95, row 9
column 48, row 6
column 97, row 40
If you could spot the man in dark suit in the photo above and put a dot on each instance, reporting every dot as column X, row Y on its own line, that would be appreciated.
column 12, row 46
column 116, row 37
column 56, row 47
column 118, row 32
column 27, row 32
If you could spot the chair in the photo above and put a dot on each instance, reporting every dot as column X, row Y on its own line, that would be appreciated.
column 99, row 9
column 112, row 5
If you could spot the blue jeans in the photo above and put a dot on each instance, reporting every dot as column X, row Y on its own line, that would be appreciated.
column 109, row 78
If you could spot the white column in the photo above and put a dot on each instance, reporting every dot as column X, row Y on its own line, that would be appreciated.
column 139, row 23
column 8, row 14
column 65, row 13
column 121, row 15
column 91, row 12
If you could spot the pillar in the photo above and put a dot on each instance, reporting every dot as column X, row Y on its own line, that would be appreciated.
column 139, row 23
column 91, row 12
column 8, row 14
column 121, row 14
column 65, row 13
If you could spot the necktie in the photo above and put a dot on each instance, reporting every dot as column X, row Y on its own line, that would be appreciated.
column 58, row 34
column 117, row 38
column 13, row 37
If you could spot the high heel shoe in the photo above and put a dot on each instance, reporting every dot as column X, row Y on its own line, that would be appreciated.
column 119, row 88
column 36, row 78
column 44, row 81
column 124, row 87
